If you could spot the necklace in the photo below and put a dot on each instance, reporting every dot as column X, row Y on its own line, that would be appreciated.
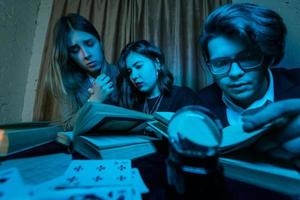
column 154, row 107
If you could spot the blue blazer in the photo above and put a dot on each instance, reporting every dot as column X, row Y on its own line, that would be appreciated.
column 286, row 86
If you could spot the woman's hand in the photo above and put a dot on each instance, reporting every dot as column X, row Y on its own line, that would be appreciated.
column 102, row 89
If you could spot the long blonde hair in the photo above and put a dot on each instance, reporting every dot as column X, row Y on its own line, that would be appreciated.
column 64, row 76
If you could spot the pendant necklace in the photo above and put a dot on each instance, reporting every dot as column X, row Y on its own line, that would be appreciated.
column 154, row 107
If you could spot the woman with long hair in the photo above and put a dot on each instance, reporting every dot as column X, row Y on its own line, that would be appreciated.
column 144, row 82
column 79, row 71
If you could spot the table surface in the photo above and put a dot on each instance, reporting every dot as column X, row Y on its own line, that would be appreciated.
column 41, row 167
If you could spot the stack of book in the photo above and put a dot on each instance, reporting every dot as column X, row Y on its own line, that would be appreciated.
column 105, row 131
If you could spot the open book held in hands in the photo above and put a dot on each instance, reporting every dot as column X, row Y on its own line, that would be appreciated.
column 233, row 136
column 242, row 165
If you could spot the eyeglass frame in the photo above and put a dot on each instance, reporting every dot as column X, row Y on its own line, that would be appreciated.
column 236, row 59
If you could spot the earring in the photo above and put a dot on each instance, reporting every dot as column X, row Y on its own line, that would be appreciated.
column 157, row 72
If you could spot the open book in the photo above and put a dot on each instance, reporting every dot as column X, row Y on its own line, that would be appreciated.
column 104, row 117
column 18, row 137
column 105, row 131
column 96, row 123
column 233, row 136
column 241, row 164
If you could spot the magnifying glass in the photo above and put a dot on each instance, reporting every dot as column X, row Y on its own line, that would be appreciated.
column 195, row 131
column 195, row 135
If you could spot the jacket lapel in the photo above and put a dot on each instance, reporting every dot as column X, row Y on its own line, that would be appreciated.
column 283, row 87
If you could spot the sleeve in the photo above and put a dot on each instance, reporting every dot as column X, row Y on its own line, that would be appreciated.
column 68, row 109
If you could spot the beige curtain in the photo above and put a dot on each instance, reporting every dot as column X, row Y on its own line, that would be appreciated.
column 173, row 25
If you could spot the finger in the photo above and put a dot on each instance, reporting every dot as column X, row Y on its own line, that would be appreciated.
column 279, row 109
column 105, row 91
column 271, row 113
column 110, row 84
column 101, row 77
column 249, row 126
column 107, row 85
column 104, row 80
column 257, row 120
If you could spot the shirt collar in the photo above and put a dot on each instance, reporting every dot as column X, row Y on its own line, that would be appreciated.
column 268, row 97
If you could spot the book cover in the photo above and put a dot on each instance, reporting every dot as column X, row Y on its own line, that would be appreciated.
column 18, row 137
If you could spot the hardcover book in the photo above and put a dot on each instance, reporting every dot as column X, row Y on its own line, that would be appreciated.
column 18, row 137
column 105, row 131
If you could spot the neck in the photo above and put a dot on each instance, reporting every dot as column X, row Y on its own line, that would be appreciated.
column 155, row 93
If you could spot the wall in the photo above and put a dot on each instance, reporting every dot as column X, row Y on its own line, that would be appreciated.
column 36, row 58
column 18, row 24
column 290, row 12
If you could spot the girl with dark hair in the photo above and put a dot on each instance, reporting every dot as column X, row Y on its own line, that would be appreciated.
column 145, row 84
column 79, row 71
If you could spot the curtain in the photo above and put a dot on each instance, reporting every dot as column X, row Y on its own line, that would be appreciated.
column 173, row 25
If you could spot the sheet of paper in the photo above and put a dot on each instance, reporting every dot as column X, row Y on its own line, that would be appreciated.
column 12, row 186
column 105, row 193
column 38, row 169
column 82, row 173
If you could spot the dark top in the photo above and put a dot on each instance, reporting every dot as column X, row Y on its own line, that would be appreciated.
column 72, row 103
column 153, row 167
column 178, row 98
column 286, row 85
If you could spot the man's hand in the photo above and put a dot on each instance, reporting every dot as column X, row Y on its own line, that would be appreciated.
column 284, row 117
column 278, row 114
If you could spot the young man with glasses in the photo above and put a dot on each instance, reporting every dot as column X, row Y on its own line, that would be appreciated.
column 240, row 43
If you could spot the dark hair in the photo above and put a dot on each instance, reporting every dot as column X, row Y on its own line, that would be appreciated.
column 128, row 94
column 65, row 76
column 253, row 24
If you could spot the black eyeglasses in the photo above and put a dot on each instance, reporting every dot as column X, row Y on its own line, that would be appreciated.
column 247, row 61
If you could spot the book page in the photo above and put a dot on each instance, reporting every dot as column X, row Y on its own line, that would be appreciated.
column 117, row 124
column 94, row 114
column 38, row 169
column 234, row 137
column 163, row 117
column 109, row 141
